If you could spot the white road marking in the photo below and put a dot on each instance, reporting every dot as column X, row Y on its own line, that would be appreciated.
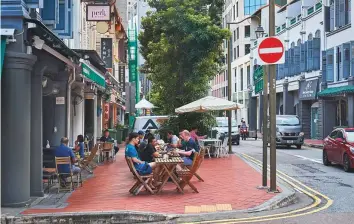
column 313, row 160
column 271, row 50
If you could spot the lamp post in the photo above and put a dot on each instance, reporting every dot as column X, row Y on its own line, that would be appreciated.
column 259, row 34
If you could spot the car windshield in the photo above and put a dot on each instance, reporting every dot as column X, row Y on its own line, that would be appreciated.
column 224, row 123
column 288, row 121
column 350, row 136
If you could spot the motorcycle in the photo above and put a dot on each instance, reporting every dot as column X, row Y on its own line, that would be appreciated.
column 243, row 133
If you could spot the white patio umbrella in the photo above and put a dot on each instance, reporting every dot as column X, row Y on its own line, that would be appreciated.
column 208, row 103
column 144, row 104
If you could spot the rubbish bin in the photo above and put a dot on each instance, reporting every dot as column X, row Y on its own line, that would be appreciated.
column 119, row 135
column 113, row 133
column 125, row 133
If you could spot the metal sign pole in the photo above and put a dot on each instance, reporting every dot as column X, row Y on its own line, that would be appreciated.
column 272, row 105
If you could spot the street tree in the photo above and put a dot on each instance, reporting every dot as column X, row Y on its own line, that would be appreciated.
column 181, row 44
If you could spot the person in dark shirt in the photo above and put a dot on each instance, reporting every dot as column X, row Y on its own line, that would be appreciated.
column 107, row 138
column 64, row 151
column 149, row 152
column 79, row 146
column 189, row 148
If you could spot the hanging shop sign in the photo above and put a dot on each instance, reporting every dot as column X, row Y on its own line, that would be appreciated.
column 308, row 90
column 106, row 112
column 106, row 52
column 98, row 12
column 133, row 52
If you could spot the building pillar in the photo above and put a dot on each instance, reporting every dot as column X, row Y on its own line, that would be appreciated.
column 16, row 121
column 36, row 161
column 78, row 119
column 95, row 129
column 288, row 100
column 252, row 111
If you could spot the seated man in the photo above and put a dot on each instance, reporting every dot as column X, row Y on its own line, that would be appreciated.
column 142, row 143
column 64, row 151
column 189, row 148
column 142, row 167
column 173, row 139
column 149, row 152
column 107, row 138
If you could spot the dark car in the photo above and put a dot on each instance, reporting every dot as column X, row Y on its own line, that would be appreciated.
column 339, row 148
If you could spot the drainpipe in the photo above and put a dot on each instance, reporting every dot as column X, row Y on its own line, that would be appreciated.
column 68, row 102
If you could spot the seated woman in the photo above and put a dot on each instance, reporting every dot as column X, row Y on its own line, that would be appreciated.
column 149, row 152
column 79, row 146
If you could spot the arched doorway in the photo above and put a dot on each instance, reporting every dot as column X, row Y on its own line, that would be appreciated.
column 314, row 120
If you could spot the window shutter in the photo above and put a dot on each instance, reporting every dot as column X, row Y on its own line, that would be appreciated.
column 329, row 65
column 34, row 4
column 327, row 18
column 339, row 62
column 291, row 65
column 286, row 64
column 277, row 72
column 332, row 13
column 324, row 66
column 346, row 60
column 337, row 15
column 349, row 11
column 352, row 57
column 316, row 53
column 342, row 13
column 303, row 57
column 64, row 27
column 309, row 66
column 281, row 72
column 297, row 60
column 50, row 13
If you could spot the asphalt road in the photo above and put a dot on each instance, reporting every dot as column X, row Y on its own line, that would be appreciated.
column 306, row 166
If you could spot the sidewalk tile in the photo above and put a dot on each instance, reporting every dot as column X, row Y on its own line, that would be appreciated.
column 230, row 184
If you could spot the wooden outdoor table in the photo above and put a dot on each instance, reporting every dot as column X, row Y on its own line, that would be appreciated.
column 169, row 166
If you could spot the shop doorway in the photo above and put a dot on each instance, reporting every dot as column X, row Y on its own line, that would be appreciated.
column 314, row 120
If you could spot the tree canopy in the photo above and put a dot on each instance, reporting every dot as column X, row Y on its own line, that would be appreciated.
column 181, row 44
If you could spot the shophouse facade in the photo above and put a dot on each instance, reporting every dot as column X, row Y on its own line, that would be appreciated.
column 44, row 82
column 315, row 80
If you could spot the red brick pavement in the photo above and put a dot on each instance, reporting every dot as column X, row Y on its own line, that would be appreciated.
column 227, row 181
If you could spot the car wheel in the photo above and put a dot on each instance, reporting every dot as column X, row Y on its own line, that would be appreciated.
column 326, row 162
column 346, row 163
column 298, row 146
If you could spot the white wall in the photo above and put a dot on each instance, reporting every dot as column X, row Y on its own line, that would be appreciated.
column 78, row 120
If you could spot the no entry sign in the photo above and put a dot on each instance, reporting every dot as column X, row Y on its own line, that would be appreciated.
column 271, row 51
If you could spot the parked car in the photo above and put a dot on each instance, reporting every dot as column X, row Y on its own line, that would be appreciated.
column 338, row 148
column 289, row 131
column 222, row 129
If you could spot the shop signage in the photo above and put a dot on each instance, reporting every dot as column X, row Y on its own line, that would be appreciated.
column 121, row 76
column 93, row 75
column 106, row 51
column 60, row 100
column 106, row 112
column 271, row 51
column 98, row 12
column 308, row 90
column 258, row 80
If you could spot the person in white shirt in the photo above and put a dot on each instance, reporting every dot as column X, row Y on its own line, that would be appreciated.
column 173, row 139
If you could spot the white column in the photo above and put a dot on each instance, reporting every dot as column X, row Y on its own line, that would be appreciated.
column 95, row 129
column 78, row 119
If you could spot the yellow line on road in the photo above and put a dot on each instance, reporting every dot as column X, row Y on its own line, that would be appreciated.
column 290, row 214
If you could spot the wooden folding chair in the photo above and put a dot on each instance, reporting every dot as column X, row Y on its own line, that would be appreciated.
column 187, row 174
column 142, row 181
column 66, row 161
column 201, row 152
column 87, row 163
column 108, row 150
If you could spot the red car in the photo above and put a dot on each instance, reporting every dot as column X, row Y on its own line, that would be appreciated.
column 339, row 148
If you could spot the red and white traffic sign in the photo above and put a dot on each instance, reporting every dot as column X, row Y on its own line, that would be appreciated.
column 271, row 51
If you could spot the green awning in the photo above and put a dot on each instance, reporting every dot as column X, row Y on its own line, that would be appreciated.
column 3, row 47
column 336, row 91
column 92, row 74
